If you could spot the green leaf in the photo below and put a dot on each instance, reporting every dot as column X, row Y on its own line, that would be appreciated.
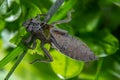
column 43, row 70
column 103, row 43
column 3, row 8
column 19, row 36
column 64, row 66
column 92, row 23
column 2, row 25
column 68, row 5
column 109, row 43
column 1, row 1
column 116, row 2
column 10, row 11
column 18, row 50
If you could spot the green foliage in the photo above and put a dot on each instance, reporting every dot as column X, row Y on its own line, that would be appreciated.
column 96, row 22
column 65, row 66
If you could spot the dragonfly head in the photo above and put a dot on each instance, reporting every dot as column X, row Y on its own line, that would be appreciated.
column 32, row 25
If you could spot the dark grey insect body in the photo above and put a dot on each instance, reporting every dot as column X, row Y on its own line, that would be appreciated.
column 58, row 38
column 72, row 47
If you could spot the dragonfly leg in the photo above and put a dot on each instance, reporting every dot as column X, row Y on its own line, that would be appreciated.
column 28, row 40
column 50, row 59
column 38, row 16
column 46, row 53
column 64, row 21
column 34, row 43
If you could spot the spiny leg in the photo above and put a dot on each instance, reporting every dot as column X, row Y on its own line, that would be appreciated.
column 37, row 19
column 28, row 40
column 34, row 43
column 39, row 15
column 54, row 43
column 47, row 16
column 46, row 53
column 64, row 21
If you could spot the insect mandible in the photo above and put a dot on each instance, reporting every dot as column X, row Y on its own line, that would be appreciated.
column 58, row 38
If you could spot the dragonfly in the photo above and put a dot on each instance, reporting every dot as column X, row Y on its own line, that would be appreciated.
column 57, row 38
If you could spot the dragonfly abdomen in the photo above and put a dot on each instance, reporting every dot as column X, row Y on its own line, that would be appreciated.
column 72, row 47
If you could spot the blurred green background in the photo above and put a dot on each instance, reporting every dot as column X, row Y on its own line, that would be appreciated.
column 96, row 22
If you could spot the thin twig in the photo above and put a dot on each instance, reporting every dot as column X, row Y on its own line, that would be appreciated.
column 53, row 9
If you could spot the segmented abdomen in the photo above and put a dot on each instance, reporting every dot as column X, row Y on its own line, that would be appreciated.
column 71, row 46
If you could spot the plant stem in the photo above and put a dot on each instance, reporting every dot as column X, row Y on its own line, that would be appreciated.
column 15, row 65
column 53, row 9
